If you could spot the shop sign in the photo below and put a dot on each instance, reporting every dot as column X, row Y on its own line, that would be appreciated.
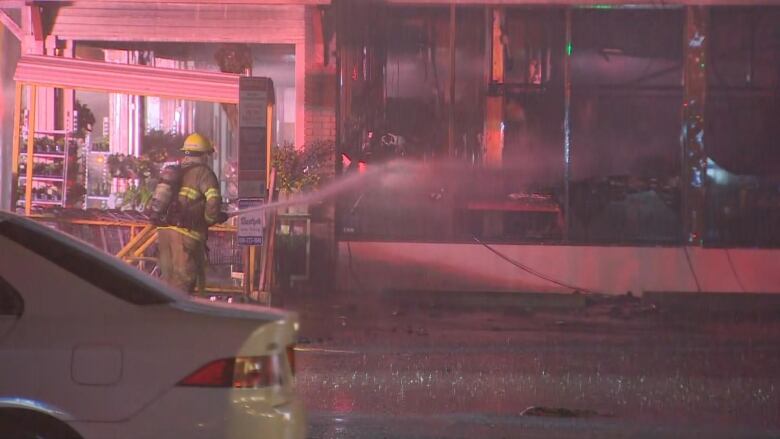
column 253, row 104
column 254, row 94
column 251, row 224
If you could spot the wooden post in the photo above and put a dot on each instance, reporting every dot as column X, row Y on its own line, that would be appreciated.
column 266, row 273
column 251, row 256
column 494, row 107
column 694, row 97
column 30, row 150
column 251, row 271
column 245, row 279
column 16, row 146
column 269, row 140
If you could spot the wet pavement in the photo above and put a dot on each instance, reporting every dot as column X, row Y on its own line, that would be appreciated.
column 372, row 368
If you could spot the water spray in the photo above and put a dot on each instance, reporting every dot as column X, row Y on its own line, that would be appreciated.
column 385, row 173
column 392, row 173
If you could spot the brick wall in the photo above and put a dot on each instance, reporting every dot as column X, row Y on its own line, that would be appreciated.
column 320, row 92
column 320, row 98
column 320, row 105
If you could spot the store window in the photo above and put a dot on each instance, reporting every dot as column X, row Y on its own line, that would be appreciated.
column 528, row 200
column 416, row 83
column 742, row 129
column 127, row 141
column 522, row 199
column 415, row 125
column 128, row 134
column 625, row 154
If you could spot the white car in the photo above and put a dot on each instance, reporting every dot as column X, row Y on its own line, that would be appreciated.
column 92, row 348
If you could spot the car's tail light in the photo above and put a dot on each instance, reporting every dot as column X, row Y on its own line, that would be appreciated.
column 240, row 372
column 255, row 372
column 218, row 373
column 291, row 357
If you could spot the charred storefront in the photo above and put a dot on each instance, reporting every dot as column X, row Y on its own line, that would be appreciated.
column 604, row 124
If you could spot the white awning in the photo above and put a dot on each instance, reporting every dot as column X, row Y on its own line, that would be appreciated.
column 247, row 22
column 59, row 72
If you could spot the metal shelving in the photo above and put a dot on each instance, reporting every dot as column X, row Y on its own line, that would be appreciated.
column 44, row 178
column 44, row 155
column 56, row 183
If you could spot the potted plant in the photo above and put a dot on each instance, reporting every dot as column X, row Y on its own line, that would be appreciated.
column 136, row 197
column 76, row 186
column 159, row 145
column 234, row 58
column 145, row 168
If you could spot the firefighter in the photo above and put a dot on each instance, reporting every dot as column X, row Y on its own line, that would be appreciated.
column 182, row 235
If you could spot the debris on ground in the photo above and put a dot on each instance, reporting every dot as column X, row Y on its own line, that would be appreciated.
column 557, row 412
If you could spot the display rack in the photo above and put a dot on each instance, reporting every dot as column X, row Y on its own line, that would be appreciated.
column 49, row 176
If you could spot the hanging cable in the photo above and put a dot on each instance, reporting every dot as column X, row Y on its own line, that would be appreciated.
column 530, row 270
column 690, row 267
column 734, row 270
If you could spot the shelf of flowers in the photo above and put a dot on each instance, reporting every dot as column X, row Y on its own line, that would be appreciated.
column 51, row 153
column 45, row 168
column 42, row 193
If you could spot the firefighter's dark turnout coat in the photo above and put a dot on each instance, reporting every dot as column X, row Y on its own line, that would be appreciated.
column 182, row 247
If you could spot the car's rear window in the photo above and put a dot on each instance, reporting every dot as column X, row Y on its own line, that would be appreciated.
column 89, row 266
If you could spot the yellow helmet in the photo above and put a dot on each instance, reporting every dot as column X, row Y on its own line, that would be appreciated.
column 197, row 143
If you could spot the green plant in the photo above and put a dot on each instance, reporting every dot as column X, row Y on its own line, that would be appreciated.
column 85, row 120
column 159, row 145
column 302, row 169
column 128, row 197
column 121, row 166
column 135, row 197
column 76, row 193
column 126, row 166
column 75, row 180
column 234, row 58
column 47, row 145
column 145, row 196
